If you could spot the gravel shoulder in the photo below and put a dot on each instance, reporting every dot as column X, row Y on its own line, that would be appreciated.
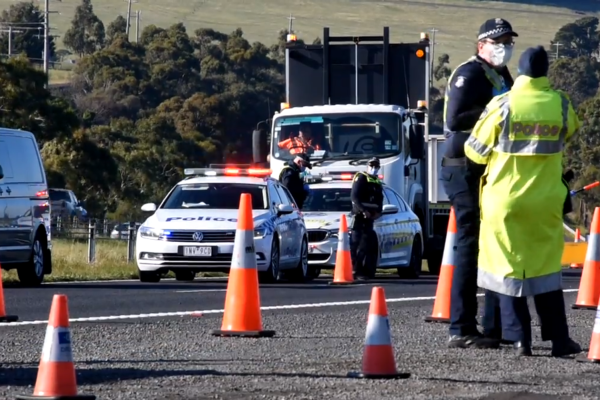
column 308, row 359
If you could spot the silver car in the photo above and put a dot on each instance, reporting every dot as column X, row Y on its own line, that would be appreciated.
column 399, row 232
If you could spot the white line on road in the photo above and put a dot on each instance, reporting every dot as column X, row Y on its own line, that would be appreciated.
column 200, row 290
column 202, row 312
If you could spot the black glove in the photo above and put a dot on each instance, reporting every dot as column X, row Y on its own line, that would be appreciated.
column 568, row 204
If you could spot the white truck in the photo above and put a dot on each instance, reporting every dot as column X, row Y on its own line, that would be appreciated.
column 363, row 97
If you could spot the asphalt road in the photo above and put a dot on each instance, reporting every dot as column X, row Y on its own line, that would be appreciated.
column 320, row 333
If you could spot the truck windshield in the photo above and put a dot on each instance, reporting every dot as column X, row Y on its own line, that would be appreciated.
column 337, row 136
column 328, row 200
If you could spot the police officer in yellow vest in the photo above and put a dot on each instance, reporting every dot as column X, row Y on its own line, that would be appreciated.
column 367, row 204
column 520, row 139
column 470, row 87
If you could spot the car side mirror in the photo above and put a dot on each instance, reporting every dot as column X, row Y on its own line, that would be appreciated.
column 150, row 207
column 284, row 209
column 389, row 209
column 1, row 172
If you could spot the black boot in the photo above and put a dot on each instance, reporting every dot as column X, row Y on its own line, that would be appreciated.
column 565, row 347
column 523, row 349
column 477, row 341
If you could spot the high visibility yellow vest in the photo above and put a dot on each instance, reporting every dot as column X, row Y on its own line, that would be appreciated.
column 493, row 76
column 521, row 136
column 370, row 178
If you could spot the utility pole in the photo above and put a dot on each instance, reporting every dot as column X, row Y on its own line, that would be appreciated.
column 431, row 61
column 138, row 13
column 290, row 24
column 10, row 32
column 46, row 33
column 129, row 3
column 557, row 44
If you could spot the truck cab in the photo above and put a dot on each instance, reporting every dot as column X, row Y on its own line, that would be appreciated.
column 352, row 98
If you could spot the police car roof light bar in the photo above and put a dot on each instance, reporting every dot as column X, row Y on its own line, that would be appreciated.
column 254, row 172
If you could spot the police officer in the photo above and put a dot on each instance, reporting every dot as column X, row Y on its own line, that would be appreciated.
column 367, row 204
column 291, row 177
column 521, row 137
column 470, row 87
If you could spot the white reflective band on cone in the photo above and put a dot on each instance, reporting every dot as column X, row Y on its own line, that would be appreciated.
column 448, row 256
column 244, row 254
column 378, row 331
column 343, row 242
column 57, row 345
column 593, row 248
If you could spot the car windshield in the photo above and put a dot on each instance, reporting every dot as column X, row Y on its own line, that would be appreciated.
column 216, row 196
column 337, row 136
column 328, row 199
column 57, row 195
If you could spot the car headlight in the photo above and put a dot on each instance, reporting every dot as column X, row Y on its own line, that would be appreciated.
column 260, row 233
column 151, row 233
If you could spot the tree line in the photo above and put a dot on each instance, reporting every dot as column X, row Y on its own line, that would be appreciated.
column 137, row 113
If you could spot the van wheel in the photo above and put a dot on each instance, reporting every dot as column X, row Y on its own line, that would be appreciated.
column 185, row 275
column 149, row 276
column 32, row 273
column 271, row 275
column 413, row 271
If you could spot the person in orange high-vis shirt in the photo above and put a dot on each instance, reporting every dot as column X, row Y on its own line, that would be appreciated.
column 303, row 143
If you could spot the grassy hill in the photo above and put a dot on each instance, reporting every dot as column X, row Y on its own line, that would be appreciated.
column 457, row 20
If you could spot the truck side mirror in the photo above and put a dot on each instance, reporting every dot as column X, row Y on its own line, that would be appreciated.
column 1, row 172
column 260, row 148
column 417, row 142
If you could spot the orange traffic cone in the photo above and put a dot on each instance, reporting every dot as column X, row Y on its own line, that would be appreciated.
column 577, row 240
column 242, row 315
column 441, row 306
column 342, row 275
column 3, row 316
column 378, row 355
column 56, row 373
column 593, row 354
column 589, row 284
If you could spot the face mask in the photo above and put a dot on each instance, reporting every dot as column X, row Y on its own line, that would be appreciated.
column 500, row 54
column 372, row 171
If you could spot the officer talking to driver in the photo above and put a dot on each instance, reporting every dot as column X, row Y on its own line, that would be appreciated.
column 367, row 204
column 470, row 87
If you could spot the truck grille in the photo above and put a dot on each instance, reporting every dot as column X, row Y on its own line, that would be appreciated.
column 207, row 236
column 317, row 235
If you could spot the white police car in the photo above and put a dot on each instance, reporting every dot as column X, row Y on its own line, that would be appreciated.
column 399, row 232
column 194, row 227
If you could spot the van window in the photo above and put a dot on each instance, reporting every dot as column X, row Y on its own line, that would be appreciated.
column 5, row 162
column 21, row 151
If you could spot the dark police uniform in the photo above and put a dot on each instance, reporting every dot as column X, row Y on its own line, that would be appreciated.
column 291, row 179
column 470, row 88
column 367, row 195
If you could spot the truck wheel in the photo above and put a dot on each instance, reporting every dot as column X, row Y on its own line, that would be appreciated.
column 413, row 271
column 149, row 276
column 185, row 275
column 435, row 253
column 32, row 273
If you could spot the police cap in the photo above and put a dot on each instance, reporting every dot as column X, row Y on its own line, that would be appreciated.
column 494, row 28
column 374, row 162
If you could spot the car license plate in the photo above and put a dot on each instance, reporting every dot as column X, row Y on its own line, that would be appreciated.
column 197, row 251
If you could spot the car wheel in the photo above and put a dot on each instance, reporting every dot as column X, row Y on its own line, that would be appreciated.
column 313, row 273
column 185, row 275
column 300, row 273
column 32, row 273
column 149, row 276
column 271, row 275
column 413, row 271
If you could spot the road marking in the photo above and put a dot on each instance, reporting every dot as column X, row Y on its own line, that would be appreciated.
column 200, row 290
column 202, row 312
